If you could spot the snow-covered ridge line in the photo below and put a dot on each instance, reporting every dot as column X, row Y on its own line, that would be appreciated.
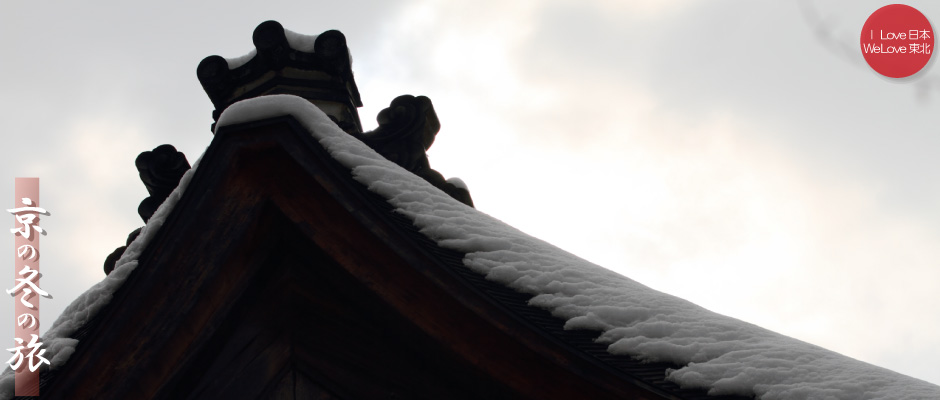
column 58, row 341
column 719, row 353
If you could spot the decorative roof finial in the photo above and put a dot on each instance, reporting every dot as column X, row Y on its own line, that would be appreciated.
column 406, row 131
column 317, row 68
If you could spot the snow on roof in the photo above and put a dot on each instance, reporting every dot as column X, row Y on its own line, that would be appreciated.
column 299, row 41
column 296, row 41
column 718, row 353
column 58, row 341
column 241, row 60
column 721, row 354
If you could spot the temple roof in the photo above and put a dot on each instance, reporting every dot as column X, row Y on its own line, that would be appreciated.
column 603, row 331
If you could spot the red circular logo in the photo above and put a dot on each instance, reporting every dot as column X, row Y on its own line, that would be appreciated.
column 897, row 41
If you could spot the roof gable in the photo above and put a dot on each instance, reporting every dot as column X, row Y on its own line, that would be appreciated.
column 277, row 268
column 707, row 350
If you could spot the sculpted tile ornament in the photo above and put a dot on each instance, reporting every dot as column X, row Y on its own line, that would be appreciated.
column 160, row 170
column 406, row 131
column 317, row 68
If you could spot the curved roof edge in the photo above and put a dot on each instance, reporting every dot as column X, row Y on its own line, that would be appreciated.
column 720, row 354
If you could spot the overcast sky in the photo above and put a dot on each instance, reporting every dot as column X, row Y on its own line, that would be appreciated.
column 738, row 154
